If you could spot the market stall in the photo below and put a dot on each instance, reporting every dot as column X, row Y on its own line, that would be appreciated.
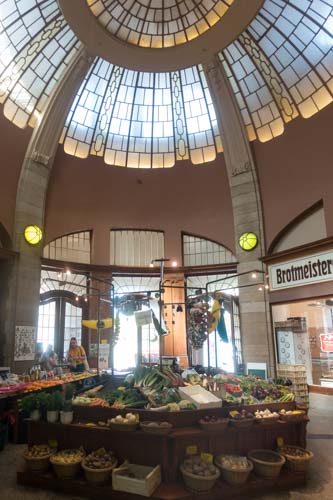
column 183, row 445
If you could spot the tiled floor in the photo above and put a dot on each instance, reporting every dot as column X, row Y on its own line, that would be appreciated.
column 319, row 486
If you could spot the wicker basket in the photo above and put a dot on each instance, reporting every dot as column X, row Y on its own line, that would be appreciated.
column 221, row 425
column 123, row 427
column 159, row 430
column 297, row 464
column 233, row 476
column 98, row 476
column 267, row 420
column 242, row 422
column 199, row 483
column 37, row 464
column 293, row 417
column 266, row 463
column 66, row 471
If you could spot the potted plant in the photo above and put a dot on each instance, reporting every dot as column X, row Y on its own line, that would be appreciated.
column 53, row 405
column 69, row 392
column 31, row 406
column 66, row 415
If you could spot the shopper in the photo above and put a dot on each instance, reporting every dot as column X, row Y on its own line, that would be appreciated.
column 49, row 359
column 76, row 357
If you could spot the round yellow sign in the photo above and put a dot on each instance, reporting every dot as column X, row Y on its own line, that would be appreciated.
column 33, row 235
column 248, row 241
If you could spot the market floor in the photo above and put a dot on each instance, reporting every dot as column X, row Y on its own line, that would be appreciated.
column 319, row 485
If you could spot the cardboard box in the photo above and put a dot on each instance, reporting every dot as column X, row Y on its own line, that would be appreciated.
column 145, row 482
column 200, row 397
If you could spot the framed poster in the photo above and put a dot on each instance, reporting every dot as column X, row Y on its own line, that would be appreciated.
column 24, row 343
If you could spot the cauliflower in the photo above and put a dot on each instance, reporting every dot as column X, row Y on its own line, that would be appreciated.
column 185, row 405
column 173, row 407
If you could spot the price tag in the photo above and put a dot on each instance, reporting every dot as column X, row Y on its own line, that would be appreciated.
column 280, row 442
column 192, row 450
column 53, row 443
column 207, row 458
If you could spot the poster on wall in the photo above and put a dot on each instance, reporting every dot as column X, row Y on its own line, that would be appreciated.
column 326, row 342
column 24, row 343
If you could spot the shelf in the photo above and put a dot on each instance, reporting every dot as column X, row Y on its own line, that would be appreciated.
column 166, row 491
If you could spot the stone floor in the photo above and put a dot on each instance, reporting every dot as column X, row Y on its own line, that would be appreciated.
column 319, row 485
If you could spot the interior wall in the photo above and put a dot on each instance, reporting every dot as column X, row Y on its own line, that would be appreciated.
column 13, row 145
column 295, row 171
column 87, row 194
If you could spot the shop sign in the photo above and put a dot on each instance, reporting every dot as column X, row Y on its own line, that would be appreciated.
column 305, row 271
column 326, row 342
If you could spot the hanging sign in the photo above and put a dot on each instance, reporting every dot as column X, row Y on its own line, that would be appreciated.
column 326, row 342
column 24, row 343
column 305, row 271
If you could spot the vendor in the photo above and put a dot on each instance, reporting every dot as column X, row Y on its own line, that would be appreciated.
column 76, row 357
column 49, row 359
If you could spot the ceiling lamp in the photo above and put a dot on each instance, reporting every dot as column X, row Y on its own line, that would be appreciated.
column 248, row 241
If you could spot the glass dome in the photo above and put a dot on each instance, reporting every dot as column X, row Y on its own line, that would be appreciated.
column 280, row 67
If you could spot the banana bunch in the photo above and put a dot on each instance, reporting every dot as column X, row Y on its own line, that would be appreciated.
column 286, row 398
column 94, row 324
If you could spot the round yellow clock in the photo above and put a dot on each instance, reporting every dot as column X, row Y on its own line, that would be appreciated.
column 33, row 235
column 248, row 241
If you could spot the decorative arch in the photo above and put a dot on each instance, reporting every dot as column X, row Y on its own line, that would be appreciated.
column 198, row 250
column 297, row 232
column 5, row 239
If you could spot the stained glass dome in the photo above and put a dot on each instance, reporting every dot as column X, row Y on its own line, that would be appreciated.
column 280, row 67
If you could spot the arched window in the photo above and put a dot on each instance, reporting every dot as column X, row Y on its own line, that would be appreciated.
column 135, row 248
column 74, row 247
column 199, row 251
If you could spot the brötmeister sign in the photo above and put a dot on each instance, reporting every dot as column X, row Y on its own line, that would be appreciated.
column 304, row 271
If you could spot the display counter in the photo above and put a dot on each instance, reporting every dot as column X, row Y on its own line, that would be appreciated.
column 168, row 451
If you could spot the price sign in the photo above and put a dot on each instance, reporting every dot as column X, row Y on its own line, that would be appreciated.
column 53, row 443
column 280, row 442
column 192, row 450
column 207, row 458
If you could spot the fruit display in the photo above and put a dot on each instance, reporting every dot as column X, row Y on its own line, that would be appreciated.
column 198, row 467
column 100, row 459
column 292, row 415
column 298, row 459
column 294, row 451
column 67, row 457
column 265, row 416
column 129, row 418
column 241, row 418
column 233, row 462
column 38, row 451
column 213, row 423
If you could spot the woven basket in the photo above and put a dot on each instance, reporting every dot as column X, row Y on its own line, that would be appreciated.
column 267, row 420
column 123, row 427
column 242, row 422
column 98, row 476
column 297, row 464
column 214, row 426
column 66, row 471
column 233, row 476
column 37, row 464
column 266, row 463
column 293, row 417
column 159, row 430
column 199, row 483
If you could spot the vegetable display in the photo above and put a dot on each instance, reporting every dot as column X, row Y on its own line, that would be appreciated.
column 100, row 459
column 198, row 467
column 66, row 457
column 38, row 451
column 233, row 462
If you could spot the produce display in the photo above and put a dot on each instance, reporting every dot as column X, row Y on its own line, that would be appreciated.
column 294, row 451
column 198, row 467
column 266, row 415
column 67, row 457
column 100, row 459
column 233, row 462
column 240, row 415
column 212, row 419
column 38, row 451
column 128, row 419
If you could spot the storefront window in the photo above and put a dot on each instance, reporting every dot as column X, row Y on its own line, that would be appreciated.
column 304, row 335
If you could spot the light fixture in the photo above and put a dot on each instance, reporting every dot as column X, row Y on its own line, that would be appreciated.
column 254, row 275
column 267, row 286
column 68, row 272
column 33, row 234
column 174, row 263
column 151, row 264
column 248, row 241
column 59, row 276
column 260, row 288
column 86, row 299
column 77, row 298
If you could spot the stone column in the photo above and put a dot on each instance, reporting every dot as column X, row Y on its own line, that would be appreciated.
column 247, row 213
column 23, row 294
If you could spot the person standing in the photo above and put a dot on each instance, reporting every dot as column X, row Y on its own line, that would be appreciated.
column 76, row 357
